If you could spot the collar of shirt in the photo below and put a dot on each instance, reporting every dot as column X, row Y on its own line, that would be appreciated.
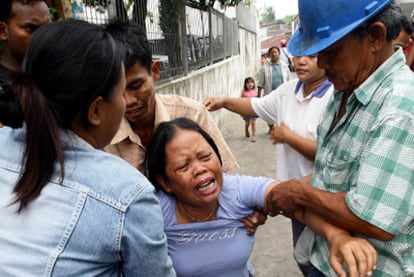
column 161, row 112
column 366, row 90
column 125, row 130
column 319, row 92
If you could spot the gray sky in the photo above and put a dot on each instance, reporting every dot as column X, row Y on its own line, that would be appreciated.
column 282, row 8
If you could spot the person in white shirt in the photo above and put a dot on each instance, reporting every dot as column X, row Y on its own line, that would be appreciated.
column 296, row 109
column 272, row 75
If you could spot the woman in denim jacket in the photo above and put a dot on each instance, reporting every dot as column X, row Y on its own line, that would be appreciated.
column 67, row 208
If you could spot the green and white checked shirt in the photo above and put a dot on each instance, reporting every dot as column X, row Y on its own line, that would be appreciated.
column 370, row 153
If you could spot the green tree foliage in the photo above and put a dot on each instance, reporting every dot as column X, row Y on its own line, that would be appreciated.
column 268, row 16
column 288, row 19
column 205, row 4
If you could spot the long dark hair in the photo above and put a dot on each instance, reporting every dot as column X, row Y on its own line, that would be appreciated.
column 67, row 65
column 155, row 159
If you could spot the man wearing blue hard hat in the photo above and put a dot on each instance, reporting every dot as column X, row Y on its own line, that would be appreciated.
column 363, row 179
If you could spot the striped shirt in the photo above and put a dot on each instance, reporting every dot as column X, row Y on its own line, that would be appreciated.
column 127, row 145
column 370, row 154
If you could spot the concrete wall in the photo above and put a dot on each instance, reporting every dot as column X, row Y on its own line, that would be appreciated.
column 223, row 78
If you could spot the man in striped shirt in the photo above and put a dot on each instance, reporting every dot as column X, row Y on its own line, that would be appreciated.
column 363, row 177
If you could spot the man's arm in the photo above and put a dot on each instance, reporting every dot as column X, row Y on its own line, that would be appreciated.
column 357, row 253
column 289, row 196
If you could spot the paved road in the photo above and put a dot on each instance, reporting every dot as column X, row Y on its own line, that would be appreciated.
column 272, row 254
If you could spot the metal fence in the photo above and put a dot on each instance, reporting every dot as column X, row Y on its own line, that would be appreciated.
column 181, row 36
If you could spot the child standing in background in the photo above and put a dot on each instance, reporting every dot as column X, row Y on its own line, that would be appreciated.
column 249, row 91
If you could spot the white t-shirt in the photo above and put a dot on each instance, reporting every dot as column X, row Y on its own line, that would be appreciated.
column 301, row 115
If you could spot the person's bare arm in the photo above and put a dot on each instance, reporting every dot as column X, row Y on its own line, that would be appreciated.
column 241, row 106
column 293, row 194
column 358, row 254
column 283, row 134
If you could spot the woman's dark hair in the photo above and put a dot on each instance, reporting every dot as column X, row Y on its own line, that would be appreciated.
column 406, row 25
column 271, row 48
column 249, row 79
column 155, row 159
column 67, row 65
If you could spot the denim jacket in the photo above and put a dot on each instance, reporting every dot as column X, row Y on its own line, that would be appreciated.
column 102, row 220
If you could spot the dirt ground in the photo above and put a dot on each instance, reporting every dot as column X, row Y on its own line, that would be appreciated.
column 272, row 254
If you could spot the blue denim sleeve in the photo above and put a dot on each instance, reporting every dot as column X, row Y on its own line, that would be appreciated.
column 144, row 243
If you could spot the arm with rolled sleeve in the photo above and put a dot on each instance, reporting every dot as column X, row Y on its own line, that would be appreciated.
column 383, row 195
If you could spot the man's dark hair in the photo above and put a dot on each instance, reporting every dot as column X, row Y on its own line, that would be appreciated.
column 390, row 16
column 406, row 25
column 133, row 41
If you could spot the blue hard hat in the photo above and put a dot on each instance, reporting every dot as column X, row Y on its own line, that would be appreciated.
column 324, row 22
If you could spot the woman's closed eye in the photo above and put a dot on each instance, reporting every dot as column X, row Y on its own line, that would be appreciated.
column 186, row 164
column 182, row 167
column 206, row 157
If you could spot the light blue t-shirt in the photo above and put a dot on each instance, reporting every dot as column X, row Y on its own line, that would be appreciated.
column 277, row 78
column 221, row 247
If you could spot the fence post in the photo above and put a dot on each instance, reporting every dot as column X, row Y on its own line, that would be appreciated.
column 210, row 35
column 184, row 46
